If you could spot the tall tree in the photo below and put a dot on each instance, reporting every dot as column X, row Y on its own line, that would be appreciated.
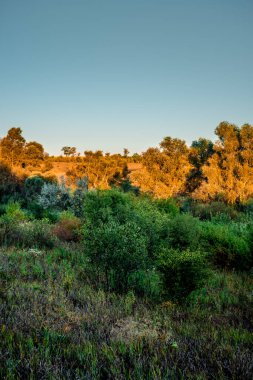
column 33, row 153
column 229, row 171
column 12, row 147
column 200, row 151
column 164, row 170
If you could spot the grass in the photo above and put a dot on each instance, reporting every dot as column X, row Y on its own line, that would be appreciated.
column 57, row 324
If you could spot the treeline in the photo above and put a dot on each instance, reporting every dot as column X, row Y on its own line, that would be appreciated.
column 220, row 171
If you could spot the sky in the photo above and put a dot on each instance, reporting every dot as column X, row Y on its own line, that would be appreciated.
column 115, row 74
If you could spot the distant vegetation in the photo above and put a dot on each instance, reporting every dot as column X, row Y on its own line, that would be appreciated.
column 110, row 273
column 220, row 171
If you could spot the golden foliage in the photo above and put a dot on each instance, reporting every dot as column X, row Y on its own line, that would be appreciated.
column 229, row 172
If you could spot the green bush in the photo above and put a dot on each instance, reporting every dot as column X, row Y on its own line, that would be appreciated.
column 8, row 228
column 146, row 283
column 226, row 249
column 13, row 210
column 248, row 206
column 32, row 188
column 183, row 232
column 152, row 222
column 102, row 206
column 117, row 250
column 169, row 206
column 183, row 271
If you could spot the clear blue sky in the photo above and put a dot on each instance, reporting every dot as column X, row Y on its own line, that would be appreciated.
column 109, row 74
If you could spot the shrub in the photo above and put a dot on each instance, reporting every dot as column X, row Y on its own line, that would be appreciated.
column 183, row 271
column 7, row 229
column 229, row 291
column 26, row 234
column 152, row 222
column 226, row 249
column 67, row 228
column 13, row 210
column 207, row 211
column 102, row 206
column 183, row 232
column 77, row 200
column 169, row 206
column 54, row 196
column 117, row 250
column 41, row 234
column 33, row 187
column 146, row 283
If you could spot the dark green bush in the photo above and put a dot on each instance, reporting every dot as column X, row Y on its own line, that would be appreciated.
column 102, row 206
column 225, row 248
column 169, row 206
column 146, row 283
column 183, row 232
column 117, row 250
column 207, row 211
column 32, row 188
column 183, row 271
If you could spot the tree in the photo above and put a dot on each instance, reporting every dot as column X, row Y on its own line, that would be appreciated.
column 33, row 153
column 164, row 170
column 200, row 151
column 122, row 181
column 12, row 147
column 229, row 171
column 98, row 168
column 126, row 152
column 69, row 151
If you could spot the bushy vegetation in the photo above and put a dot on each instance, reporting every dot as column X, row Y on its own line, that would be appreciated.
column 115, row 284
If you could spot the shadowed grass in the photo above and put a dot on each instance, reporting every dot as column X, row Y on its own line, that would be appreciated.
column 55, row 323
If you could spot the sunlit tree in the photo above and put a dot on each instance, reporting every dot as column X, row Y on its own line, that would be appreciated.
column 229, row 171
